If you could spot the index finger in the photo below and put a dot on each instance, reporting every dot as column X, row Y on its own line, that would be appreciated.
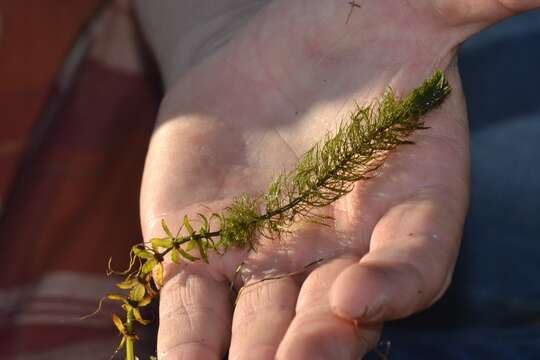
column 409, row 266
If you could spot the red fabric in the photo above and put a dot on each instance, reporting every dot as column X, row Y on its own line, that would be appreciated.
column 75, row 203
column 27, row 339
column 34, row 39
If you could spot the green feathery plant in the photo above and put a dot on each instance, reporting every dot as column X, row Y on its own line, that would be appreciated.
column 324, row 174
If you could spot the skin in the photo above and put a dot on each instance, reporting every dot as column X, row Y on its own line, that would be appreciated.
column 247, row 111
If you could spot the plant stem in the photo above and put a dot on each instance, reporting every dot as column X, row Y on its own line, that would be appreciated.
column 130, row 352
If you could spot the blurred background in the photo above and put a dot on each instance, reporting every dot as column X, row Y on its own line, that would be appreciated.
column 79, row 93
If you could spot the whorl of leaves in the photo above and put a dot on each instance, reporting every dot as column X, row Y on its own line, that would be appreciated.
column 239, row 222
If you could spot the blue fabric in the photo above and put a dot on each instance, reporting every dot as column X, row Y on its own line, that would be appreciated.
column 470, row 344
column 492, row 310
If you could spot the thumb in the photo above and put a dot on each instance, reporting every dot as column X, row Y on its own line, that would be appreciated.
column 476, row 15
column 493, row 11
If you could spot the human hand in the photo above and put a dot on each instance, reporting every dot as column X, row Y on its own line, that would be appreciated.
column 249, row 111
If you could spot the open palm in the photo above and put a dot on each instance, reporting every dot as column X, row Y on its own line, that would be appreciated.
column 247, row 112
